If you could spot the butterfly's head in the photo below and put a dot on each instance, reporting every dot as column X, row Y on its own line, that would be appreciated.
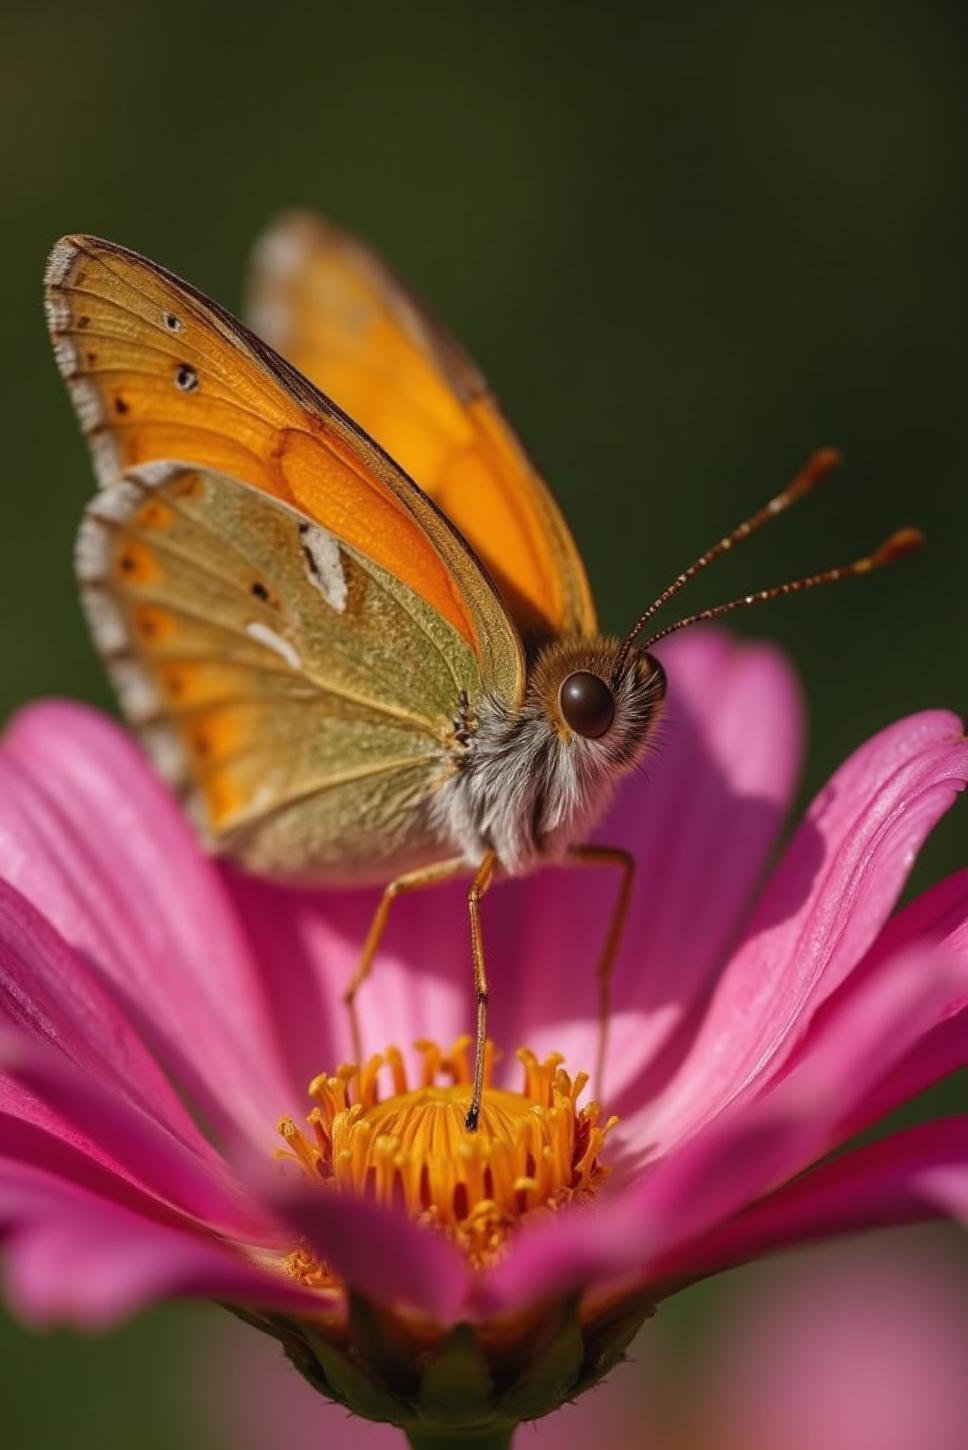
column 586, row 720
column 534, row 779
column 602, row 707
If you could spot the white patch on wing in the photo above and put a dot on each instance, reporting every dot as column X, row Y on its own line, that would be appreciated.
column 58, row 311
column 106, row 456
column 108, row 625
column 60, row 262
column 162, row 744
column 117, row 502
column 136, row 691
column 324, row 565
column 156, row 473
column 87, row 402
column 264, row 635
column 65, row 356
column 91, row 551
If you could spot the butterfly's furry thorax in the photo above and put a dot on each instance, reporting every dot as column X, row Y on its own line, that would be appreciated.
column 528, row 787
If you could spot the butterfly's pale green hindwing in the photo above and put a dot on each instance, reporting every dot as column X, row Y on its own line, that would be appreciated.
column 301, row 698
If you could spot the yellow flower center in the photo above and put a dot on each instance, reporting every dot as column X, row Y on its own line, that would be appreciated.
column 533, row 1150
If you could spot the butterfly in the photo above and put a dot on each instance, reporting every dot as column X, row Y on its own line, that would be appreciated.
column 335, row 597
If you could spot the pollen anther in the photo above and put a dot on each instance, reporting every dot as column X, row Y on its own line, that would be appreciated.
column 534, row 1150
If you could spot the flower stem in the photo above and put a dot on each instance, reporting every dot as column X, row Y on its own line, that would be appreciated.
column 494, row 1437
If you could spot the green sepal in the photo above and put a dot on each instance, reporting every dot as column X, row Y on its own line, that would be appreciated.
column 457, row 1385
column 553, row 1370
column 379, row 1341
column 609, row 1336
column 302, row 1358
column 348, row 1383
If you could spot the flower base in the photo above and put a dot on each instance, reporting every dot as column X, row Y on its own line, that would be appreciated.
column 469, row 1385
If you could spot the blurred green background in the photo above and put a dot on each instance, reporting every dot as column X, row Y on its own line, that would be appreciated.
column 687, row 245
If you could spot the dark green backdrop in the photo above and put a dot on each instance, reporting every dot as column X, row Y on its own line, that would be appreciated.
column 687, row 245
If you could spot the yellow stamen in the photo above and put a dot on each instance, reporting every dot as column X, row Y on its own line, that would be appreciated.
column 534, row 1150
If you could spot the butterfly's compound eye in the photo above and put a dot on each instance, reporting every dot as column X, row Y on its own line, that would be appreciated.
column 587, row 704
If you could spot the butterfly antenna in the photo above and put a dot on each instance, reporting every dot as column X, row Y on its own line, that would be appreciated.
column 904, row 541
column 816, row 469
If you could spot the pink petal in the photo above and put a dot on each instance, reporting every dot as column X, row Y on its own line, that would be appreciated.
column 73, row 1259
column 939, row 914
column 35, row 1130
column 56, row 1006
column 753, row 1147
column 96, row 843
column 421, row 985
column 937, row 918
column 820, row 913
column 33, row 1191
column 35, row 1139
column 34, row 1133
column 125, row 1136
column 377, row 1250
column 47, row 991
column 894, row 1181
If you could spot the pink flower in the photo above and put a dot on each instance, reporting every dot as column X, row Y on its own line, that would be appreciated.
column 849, row 1348
column 745, row 1046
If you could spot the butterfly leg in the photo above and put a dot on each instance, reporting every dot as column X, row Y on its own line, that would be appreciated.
column 483, row 879
column 625, row 861
column 411, row 881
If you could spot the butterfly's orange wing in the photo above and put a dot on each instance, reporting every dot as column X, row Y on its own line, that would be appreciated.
column 342, row 317
column 158, row 371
